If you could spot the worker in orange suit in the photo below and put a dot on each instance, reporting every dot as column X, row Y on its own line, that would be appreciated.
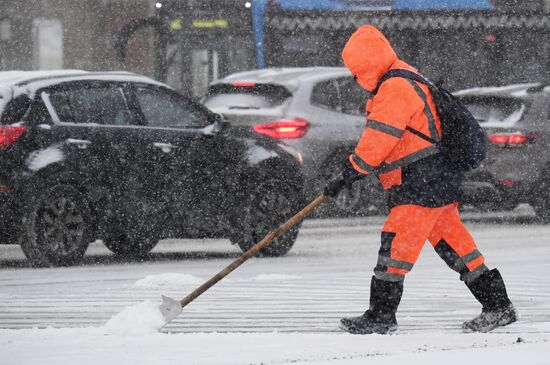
column 423, row 190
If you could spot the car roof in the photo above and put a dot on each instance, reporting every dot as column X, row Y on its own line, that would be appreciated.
column 12, row 78
column 514, row 90
column 15, row 83
column 21, row 78
column 289, row 77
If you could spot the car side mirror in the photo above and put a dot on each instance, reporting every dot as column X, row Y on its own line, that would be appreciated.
column 220, row 123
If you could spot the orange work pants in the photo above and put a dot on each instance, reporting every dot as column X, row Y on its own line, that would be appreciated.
column 409, row 226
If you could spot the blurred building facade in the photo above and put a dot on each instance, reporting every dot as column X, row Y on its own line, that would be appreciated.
column 73, row 34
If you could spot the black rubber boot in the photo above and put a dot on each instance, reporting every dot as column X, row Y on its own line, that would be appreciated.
column 380, row 317
column 497, row 309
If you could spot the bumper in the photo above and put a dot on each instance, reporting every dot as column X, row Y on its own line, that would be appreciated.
column 494, row 194
column 507, row 176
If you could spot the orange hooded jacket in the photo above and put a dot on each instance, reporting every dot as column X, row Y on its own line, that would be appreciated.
column 400, row 109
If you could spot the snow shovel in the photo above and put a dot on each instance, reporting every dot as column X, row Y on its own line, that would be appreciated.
column 171, row 308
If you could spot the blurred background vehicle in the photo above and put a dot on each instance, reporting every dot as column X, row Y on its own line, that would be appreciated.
column 119, row 157
column 319, row 111
column 516, row 119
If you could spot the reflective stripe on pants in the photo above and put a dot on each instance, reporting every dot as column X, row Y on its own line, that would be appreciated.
column 409, row 226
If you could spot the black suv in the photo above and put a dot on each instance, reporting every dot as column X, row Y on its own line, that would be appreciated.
column 120, row 157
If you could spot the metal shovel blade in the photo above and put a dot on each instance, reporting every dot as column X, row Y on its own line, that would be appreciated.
column 170, row 308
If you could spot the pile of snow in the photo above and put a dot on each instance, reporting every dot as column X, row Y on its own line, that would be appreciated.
column 87, row 346
column 138, row 320
column 167, row 281
column 276, row 277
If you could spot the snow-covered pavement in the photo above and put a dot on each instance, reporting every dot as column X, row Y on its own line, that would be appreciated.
column 274, row 310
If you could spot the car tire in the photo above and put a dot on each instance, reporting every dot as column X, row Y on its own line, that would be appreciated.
column 56, row 227
column 542, row 208
column 270, row 204
column 496, row 206
column 541, row 200
column 366, row 197
column 131, row 244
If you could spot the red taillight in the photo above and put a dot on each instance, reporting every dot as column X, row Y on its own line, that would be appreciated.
column 512, row 139
column 10, row 134
column 508, row 183
column 284, row 128
column 243, row 84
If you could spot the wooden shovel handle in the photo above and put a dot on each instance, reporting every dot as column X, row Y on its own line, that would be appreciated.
column 252, row 251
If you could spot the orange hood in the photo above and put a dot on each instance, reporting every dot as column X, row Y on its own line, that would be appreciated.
column 368, row 55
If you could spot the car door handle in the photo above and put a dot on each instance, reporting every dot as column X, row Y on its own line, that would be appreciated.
column 165, row 147
column 80, row 143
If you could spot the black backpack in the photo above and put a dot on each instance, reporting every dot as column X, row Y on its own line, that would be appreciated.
column 462, row 138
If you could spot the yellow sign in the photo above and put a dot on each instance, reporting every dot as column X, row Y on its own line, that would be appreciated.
column 220, row 23
column 176, row 24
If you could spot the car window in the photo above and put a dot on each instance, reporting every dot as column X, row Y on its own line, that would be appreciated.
column 15, row 110
column 164, row 109
column 353, row 96
column 99, row 105
column 245, row 95
column 325, row 94
column 494, row 111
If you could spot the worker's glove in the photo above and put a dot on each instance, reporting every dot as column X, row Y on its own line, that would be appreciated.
column 345, row 180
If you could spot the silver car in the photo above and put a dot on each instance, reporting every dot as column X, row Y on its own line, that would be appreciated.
column 516, row 119
column 319, row 111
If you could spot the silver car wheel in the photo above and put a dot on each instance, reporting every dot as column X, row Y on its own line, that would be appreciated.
column 348, row 199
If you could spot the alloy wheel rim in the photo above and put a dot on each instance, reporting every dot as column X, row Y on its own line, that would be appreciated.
column 348, row 199
column 272, row 209
column 61, row 225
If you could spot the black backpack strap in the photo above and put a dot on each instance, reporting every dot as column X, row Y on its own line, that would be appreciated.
column 411, row 77
column 405, row 74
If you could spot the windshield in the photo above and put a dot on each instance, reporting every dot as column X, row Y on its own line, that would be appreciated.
column 251, row 96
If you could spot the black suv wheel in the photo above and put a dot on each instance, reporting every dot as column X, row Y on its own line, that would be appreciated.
column 55, row 229
column 134, row 238
column 541, row 200
column 126, row 246
column 365, row 197
column 271, row 204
